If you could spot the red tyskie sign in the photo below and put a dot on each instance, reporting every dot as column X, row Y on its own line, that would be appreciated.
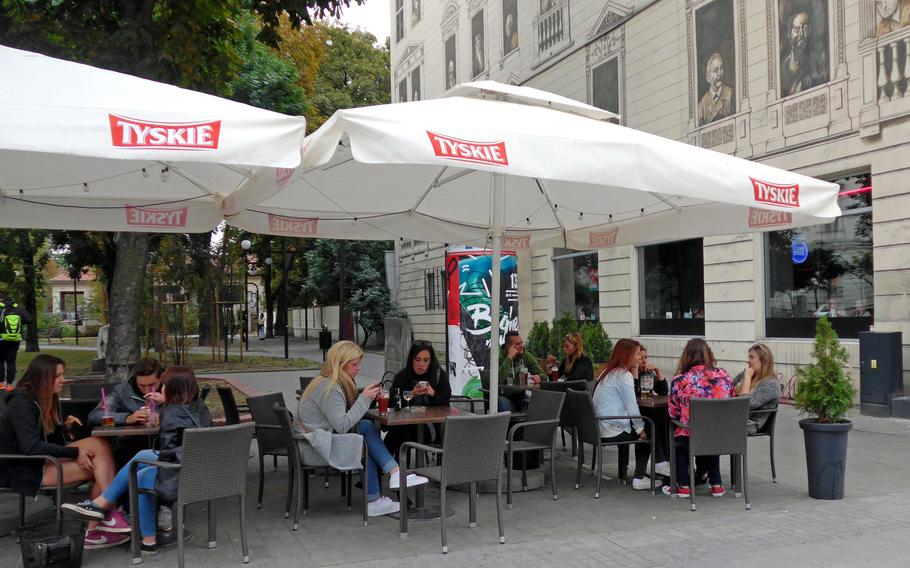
column 135, row 133
column 148, row 217
column 603, row 239
column 292, row 226
column 516, row 241
column 759, row 218
column 493, row 153
column 776, row 194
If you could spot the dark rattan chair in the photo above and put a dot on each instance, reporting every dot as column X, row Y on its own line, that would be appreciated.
column 587, row 428
column 205, row 450
column 766, row 431
column 717, row 426
column 231, row 409
column 565, row 419
column 298, row 473
column 472, row 452
column 269, row 439
column 539, row 434
column 90, row 391
column 55, row 492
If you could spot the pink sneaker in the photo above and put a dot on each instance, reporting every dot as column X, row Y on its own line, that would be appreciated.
column 114, row 522
column 96, row 540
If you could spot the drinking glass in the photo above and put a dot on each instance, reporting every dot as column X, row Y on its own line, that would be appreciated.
column 408, row 395
column 383, row 402
column 647, row 384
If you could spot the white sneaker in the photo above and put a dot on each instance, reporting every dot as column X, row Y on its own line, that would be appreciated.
column 412, row 480
column 382, row 506
column 164, row 519
column 640, row 484
column 662, row 468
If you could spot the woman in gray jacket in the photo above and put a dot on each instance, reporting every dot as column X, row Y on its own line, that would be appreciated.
column 331, row 404
column 759, row 382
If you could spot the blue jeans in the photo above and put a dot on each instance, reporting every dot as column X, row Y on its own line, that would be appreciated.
column 379, row 457
column 145, row 476
column 711, row 464
column 506, row 404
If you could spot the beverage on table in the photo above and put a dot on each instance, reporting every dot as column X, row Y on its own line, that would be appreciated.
column 383, row 402
column 107, row 421
column 647, row 385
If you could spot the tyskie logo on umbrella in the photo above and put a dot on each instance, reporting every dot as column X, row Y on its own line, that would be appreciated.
column 776, row 194
column 603, row 239
column 493, row 153
column 149, row 217
column 135, row 133
column 515, row 241
column 759, row 218
column 292, row 226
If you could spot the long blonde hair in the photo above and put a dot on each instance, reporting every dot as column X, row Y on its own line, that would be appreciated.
column 575, row 339
column 337, row 357
column 767, row 366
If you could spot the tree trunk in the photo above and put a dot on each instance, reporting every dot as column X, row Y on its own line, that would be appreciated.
column 202, row 266
column 29, row 299
column 126, row 302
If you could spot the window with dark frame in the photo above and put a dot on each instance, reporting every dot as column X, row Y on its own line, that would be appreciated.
column 434, row 289
column 399, row 20
column 577, row 284
column 672, row 288
column 823, row 270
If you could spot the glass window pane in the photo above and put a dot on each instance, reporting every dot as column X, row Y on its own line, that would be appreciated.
column 577, row 285
column 824, row 270
column 672, row 288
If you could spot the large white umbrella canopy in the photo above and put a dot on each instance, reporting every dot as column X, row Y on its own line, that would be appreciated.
column 86, row 148
column 527, row 169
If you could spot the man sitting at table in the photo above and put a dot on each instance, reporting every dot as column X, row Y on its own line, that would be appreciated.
column 513, row 358
column 127, row 400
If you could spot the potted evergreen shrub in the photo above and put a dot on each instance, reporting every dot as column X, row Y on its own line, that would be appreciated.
column 825, row 392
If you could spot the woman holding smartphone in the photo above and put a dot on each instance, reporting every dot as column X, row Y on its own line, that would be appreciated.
column 331, row 403
column 427, row 382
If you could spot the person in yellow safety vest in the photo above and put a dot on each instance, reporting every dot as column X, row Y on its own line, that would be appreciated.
column 11, row 320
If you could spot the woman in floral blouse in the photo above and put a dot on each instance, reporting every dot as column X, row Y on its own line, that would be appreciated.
column 697, row 376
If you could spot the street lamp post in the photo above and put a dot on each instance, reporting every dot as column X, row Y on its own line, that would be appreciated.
column 245, row 244
column 268, row 292
column 284, row 297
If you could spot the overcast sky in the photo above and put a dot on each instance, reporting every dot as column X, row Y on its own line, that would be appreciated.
column 373, row 16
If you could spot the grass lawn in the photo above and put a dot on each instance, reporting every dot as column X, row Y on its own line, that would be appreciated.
column 79, row 363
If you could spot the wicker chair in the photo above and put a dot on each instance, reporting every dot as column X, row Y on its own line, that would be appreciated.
column 90, row 391
column 268, row 433
column 55, row 492
column 539, row 433
column 231, row 409
column 225, row 449
column 298, row 473
column 766, row 431
column 587, row 428
column 565, row 419
column 472, row 452
column 717, row 426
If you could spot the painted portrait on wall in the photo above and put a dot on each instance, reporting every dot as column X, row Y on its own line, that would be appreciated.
column 509, row 26
column 451, row 63
column 804, row 45
column 605, row 85
column 715, row 58
column 891, row 15
column 403, row 90
column 415, row 84
column 478, row 50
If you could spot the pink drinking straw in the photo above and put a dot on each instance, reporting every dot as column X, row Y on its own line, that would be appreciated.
column 103, row 400
column 152, row 401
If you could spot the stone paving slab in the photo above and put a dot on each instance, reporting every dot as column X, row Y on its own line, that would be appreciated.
column 623, row 527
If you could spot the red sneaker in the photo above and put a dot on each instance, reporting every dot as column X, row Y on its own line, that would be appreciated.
column 114, row 522
column 718, row 491
column 682, row 491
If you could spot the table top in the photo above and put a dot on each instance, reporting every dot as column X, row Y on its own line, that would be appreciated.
column 125, row 430
column 432, row 415
column 654, row 402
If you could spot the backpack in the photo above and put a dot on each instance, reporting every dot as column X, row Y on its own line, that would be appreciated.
column 10, row 323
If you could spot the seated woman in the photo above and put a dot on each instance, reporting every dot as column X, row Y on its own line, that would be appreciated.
column 759, row 382
column 31, row 425
column 331, row 403
column 697, row 376
column 181, row 409
column 614, row 395
column 576, row 366
column 427, row 382
column 660, row 386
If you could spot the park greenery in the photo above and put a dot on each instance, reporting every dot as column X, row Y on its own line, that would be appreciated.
column 544, row 340
column 274, row 54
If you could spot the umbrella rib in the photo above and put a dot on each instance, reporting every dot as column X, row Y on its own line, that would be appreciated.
column 188, row 178
column 666, row 201
column 546, row 194
column 429, row 188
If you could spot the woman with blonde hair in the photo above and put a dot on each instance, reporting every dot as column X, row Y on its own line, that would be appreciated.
column 576, row 366
column 331, row 403
column 758, row 381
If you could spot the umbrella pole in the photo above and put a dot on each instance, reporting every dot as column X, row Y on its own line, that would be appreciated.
column 498, row 182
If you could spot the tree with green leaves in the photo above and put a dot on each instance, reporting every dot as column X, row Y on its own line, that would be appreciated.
column 823, row 388
column 23, row 256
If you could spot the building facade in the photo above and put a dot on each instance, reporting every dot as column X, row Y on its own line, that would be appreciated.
column 820, row 87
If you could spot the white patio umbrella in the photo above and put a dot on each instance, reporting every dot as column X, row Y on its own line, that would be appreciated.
column 87, row 148
column 527, row 169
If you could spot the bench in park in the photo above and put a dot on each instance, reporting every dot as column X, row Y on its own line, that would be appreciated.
column 53, row 333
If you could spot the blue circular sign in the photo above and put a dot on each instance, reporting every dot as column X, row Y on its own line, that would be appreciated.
column 799, row 251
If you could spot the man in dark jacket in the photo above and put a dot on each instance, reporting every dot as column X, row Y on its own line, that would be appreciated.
column 11, row 319
column 127, row 400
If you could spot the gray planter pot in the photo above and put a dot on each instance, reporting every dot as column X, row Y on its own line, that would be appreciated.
column 826, row 457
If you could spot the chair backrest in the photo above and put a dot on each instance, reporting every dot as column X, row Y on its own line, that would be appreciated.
column 718, row 425
column 214, row 462
column 269, row 439
column 564, row 386
column 231, row 414
column 287, row 432
column 305, row 382
column 544, row 405
column 473, row 446
column 90, row 391
column 581, row 410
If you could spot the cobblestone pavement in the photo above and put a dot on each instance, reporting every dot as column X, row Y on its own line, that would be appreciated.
column 624, row 528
